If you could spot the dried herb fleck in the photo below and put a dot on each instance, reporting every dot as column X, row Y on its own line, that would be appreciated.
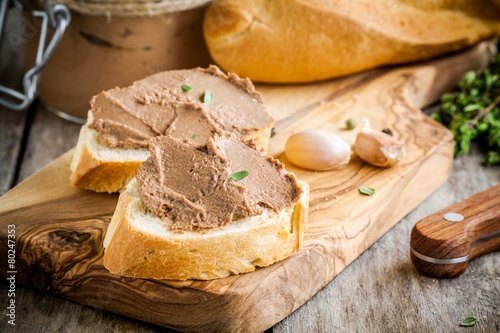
column 366, row 190
column 350, row 123
column 387, row 131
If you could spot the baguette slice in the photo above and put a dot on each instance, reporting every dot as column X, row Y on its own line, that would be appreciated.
column 237, row 110
column 137, row 244
column 99, row 168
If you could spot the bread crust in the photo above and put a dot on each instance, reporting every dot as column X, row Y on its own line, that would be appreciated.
column 284, row 41
column 237, row 248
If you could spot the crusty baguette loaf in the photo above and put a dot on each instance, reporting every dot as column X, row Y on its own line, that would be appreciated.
column 236, row 110
column 309, row 40
column 137, row 244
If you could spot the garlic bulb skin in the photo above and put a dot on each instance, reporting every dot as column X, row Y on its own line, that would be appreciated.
column 378, row 148
column 317, row 150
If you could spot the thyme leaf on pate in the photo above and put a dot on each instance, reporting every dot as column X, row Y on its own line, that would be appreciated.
column 186, row 87
column 207, row 97
column 239, row 175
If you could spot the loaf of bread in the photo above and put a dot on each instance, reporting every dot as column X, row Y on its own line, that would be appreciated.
column 308, row 40
column 186, row 216
column 187, row 104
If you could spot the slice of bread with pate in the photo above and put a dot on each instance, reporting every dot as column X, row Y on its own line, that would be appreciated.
column 205, row 212
column 187, row 104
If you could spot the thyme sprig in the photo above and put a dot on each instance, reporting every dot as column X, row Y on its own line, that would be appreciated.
column 472, row 112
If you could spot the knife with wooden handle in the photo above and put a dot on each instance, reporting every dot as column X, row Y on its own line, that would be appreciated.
column 443, row 243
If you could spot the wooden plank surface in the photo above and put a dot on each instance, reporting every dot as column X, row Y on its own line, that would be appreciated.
column 314, row 323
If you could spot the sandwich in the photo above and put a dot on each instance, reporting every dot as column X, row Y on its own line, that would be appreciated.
column 190, row 104
column 205, row 212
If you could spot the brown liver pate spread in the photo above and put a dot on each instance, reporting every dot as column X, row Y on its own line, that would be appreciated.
column 158, row 105
column 191, row 185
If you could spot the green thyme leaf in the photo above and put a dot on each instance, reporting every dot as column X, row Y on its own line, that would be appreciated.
column 491, row 158
column 472, row 107
column 366, row 190
column 194, row 136
column 239, row 175
column 468, row 322
column 207, row 97
column 350, row 123
column 186, row 87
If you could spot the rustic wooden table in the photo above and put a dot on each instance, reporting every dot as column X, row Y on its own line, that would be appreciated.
column 379, row 292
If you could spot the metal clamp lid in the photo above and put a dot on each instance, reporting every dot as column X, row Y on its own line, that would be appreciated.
column 56, row 17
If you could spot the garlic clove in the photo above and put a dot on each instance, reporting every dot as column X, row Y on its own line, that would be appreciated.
column 378, row 148
column 317, row 150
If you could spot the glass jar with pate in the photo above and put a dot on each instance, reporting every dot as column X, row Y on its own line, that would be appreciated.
column 112, row 43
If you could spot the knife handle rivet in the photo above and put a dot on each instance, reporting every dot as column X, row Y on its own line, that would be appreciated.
column 453, row 217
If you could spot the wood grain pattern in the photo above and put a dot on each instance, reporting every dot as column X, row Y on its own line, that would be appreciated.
column 341, row 226
column 437, row 238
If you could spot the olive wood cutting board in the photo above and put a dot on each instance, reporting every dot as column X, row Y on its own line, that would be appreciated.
column 59, row 229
